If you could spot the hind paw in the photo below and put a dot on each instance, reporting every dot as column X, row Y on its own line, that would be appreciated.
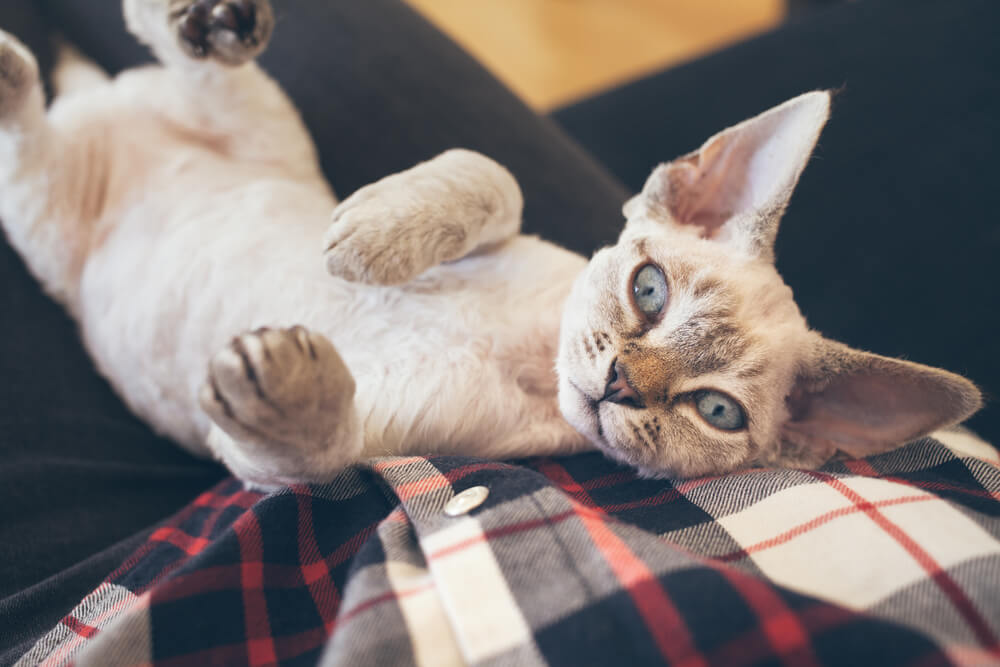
column 230, row 31
column 18, row 74
column 284, row 386
column 283, row 401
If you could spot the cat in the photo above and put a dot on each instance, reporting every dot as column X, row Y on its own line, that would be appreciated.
column 178, row 206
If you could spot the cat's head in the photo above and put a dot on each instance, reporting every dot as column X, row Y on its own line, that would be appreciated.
column 682, row 351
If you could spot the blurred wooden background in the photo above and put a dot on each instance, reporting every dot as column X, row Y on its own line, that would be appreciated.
column 552, row 52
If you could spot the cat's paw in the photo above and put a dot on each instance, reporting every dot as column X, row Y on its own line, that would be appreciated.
column 388, row 233
column 281, row 388
column 391, row 231
column 230, row 31
column 18, row 74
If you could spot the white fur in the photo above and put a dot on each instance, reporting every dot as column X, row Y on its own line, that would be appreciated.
column 211, row 222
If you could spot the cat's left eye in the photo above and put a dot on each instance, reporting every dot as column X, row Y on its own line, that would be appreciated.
column 719, row 410
column 649, row 290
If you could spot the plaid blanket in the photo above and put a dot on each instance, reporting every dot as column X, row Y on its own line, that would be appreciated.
column 893, row 559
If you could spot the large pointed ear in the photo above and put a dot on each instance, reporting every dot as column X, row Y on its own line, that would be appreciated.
column 736, row 186
column 862, row 404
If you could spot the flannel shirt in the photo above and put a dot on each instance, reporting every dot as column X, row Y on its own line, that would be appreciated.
column 894, row 559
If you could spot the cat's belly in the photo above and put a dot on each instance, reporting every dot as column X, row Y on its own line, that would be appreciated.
column 462, row 358
column 462, row 355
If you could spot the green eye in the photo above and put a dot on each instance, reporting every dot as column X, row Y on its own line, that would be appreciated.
column 649, row 290
column 720, row 411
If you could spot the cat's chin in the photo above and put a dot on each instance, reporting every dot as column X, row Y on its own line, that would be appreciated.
column 584, row 415
column 622, row 455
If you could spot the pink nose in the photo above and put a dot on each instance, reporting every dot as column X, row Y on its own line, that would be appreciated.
column 619, row 390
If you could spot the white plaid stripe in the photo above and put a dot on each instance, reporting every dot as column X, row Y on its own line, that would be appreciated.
column 127, row 640
column 430, row 633
column 98, row 610
column 484, row 615
column 815, row 540
column 966, row 443
column 370, row 626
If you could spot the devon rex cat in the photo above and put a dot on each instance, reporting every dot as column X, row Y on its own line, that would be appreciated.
column 175, row 207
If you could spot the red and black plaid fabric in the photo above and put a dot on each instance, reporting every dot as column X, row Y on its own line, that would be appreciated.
column 889, row 560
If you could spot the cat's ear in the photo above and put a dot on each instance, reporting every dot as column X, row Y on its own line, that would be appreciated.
column 862, row 403
column 735, row 187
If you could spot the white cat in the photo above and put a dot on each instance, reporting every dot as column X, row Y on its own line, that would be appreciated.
column 175, row 207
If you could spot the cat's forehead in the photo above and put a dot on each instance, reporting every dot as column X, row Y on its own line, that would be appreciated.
column 724, row 315
column 705, row 272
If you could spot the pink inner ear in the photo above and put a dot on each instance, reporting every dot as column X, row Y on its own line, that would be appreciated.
column 735, row 187
column 708, row 188
column 866, row 413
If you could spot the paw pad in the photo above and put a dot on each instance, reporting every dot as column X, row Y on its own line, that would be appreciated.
column 224, row 27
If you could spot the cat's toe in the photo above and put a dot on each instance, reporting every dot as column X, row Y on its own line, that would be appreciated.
column 275, row 382
column 18, row 73
column 365, row 258
column 237, row 384
column 215, row 404
column 284, row 404
column 367, row 244
column 230, row 31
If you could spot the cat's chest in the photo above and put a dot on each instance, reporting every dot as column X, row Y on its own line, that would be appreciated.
column 494, row 316
column 514, row 295
column 506, row 303
column 472, row 343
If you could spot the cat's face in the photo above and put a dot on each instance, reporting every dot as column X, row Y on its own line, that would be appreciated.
column 682, row 351
column 703, row 366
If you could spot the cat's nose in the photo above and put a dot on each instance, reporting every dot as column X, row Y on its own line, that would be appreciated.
column 618, row 389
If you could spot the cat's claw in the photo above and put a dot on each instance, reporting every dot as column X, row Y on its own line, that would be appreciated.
column 18, row 74
column 230, row 31
column 282, row 388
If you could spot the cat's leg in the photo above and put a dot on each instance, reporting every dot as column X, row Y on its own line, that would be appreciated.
column 441, row 210
column 214, row 87
column 42, row 194
column 230, row 32
column 22, row 102
column 75, row 73
column 283, row 405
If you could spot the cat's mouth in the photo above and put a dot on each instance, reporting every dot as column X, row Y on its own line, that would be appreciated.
column 603, row 432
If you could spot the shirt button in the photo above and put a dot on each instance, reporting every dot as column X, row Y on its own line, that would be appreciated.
column 466, row 501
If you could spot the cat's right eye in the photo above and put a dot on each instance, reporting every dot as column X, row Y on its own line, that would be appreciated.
column 649, row 290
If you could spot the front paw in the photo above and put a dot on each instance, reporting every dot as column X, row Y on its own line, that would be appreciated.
column 18, row 74
column 391, row 231
column 230, row 31
column 388, row 233
column 284, row 387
